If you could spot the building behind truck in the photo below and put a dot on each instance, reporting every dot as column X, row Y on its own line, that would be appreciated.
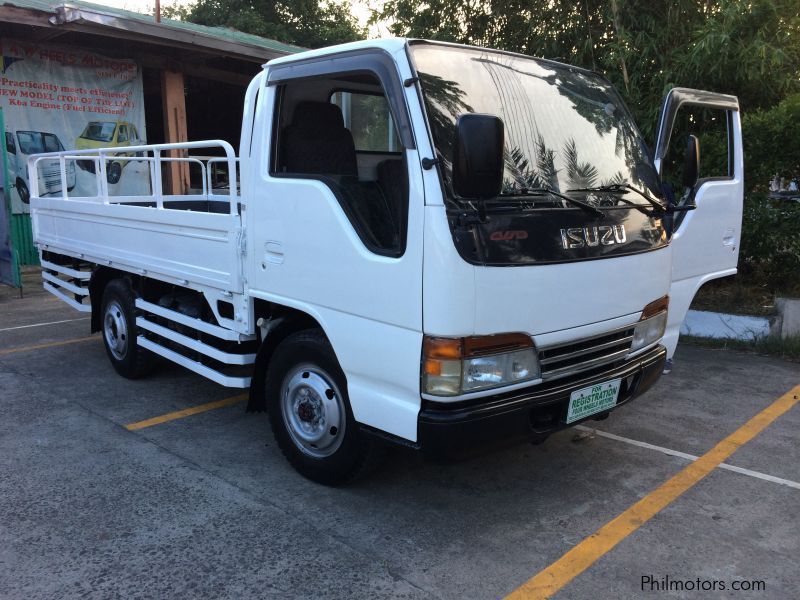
column 421, row 244
column 182, row 78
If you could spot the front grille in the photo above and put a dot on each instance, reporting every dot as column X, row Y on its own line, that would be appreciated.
column 587, row 353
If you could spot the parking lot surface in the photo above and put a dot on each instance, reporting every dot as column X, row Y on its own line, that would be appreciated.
column 204, row 505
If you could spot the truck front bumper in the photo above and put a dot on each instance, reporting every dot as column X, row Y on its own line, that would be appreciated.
column 455, row 429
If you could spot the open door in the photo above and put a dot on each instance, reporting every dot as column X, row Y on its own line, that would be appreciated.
column 705, row 241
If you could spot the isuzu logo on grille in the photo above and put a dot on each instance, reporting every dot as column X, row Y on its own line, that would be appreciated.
column 604, row 235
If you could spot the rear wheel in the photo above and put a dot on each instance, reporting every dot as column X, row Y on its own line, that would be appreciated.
column 310, row 415
column 120, row 332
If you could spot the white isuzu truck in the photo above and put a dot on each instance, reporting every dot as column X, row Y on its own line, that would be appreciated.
column 434, row 245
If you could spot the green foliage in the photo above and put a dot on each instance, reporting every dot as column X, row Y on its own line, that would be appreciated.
column 751, row 49
column 307, row 23
column 772, row 143
column 770, row 250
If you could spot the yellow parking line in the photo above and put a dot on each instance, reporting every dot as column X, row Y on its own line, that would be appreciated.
column 582, row 556
column 179, row 414
column 5, row 351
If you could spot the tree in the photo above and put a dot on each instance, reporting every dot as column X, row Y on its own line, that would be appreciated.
column 307, row 23
column 750, row 49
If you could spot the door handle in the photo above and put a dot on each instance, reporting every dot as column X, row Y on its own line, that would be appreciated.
column 729, row 239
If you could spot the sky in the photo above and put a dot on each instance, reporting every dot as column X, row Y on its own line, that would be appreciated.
column 360, row 10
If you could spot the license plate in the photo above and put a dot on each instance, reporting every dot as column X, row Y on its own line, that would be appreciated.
column 592, row 400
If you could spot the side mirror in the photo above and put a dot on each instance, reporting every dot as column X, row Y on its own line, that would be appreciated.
column 691, row 166
column 478, row 156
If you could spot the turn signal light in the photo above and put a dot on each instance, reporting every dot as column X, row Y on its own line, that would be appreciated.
column 655, row 307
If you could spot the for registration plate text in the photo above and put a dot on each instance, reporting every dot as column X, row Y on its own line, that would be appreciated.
column 592, row 400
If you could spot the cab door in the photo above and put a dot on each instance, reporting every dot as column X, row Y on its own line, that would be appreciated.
column 705, row 241
column 335, row 219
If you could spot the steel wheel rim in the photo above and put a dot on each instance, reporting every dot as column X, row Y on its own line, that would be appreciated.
column 115, row 330
column 313, row 410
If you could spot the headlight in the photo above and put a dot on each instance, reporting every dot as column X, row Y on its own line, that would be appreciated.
column 652, row 324
column 453, row 366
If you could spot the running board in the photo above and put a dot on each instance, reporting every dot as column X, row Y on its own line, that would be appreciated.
column 198, row 324
column 71, row 301
column 74, row 273
column 193, row 365
column 224, row 357
column 61, row 288
column 67, row 285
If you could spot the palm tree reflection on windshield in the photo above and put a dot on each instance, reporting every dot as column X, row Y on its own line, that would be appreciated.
column 521, row 175
column 444, row 103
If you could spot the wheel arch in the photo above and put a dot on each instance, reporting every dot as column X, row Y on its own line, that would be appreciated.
column 287, row 320
column 101, row 277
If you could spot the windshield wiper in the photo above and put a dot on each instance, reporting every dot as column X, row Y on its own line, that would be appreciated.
column 621, row 188
column 523, row 192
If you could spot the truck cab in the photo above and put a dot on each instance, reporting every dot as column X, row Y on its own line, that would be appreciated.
column 435, row 245
column 565, row 274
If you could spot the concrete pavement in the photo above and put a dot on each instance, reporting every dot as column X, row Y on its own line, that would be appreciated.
column 206, row 506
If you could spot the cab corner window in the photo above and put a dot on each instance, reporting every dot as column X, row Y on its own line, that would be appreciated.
column 340, row 131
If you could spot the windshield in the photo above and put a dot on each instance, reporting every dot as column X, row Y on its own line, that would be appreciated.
column 565, row 128
column 35, row 142
column 99, row 132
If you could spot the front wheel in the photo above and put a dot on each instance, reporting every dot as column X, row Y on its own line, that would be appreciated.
column 120, row 331
column 310, row 415
column 113, row 172
column 22, row 190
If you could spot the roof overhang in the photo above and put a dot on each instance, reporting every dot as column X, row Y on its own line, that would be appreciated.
column 71, row 17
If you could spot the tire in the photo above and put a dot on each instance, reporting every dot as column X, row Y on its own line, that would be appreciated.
column 310, row 414
column 22, row 190
column 113, row 172
column 118, row 321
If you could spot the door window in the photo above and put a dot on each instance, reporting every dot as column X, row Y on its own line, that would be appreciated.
column 52, row 143
column 710, row 126
column 326, row 139
column 11, row 148
column 122, row 135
